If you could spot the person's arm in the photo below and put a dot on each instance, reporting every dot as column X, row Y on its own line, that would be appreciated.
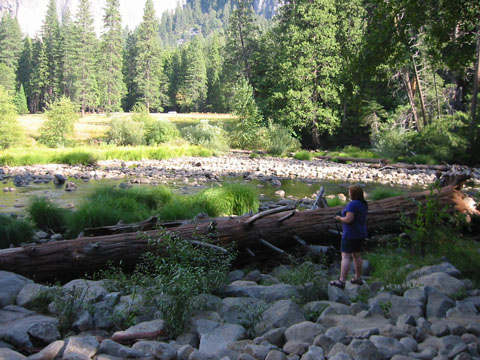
column 347, row 219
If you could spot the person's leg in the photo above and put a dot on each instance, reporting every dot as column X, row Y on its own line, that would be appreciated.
column 345, row 266
column 358, row 265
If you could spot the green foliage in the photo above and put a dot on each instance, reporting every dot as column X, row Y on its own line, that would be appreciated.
column 303, row 155
column 386, row 307
column 155, row 131
column 206, row 135
column 383, row 193
column 109, row 205
column 229, row 199
column 335, row 202
column 363, row 296
column 252, row 315
column 426, row 229
column 126, row 131
column 21, row 101
column 393, row 143
column 87, row 156
column 10, row 131
column 280, row 140
column 46, row 215
column 14, row 231
column 58, row 130
column 313, row 314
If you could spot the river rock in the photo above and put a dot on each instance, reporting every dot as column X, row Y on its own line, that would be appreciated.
column 11, row 285
column 283, row 313
column 437, row 303
column 268, row 294
column 444, row 283
column 388, row 347
column 304, row 331
column 9, row 354
column 145, row 330
column 113, row 348
column 88, row 290
column 29, row 292
column 240, row 310
column 159, row 350
column 444, row 267
column 215, row 337
column 80, row 347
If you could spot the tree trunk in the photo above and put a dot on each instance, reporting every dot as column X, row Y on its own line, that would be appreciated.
column 411, row 97
column 475, row 133
column 272, row 229
column 420, row 93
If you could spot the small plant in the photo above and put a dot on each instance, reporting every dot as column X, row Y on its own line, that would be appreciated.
column 313, row 314
column 14, row 232
column 303, row 155
column 251, row 317
column 461, row 294
column 46, row 215
column 125, row 131
column 383, row 193
column 58, row 130
column 386, row 306
column 363, row 296
column 280, row 140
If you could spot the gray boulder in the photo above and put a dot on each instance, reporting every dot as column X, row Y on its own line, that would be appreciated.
column 11, row 285
column 444, row 283
column 314, row 353
column 363, row 350
column 215, row 337
column 274, row 336
column 145, row 330
column 437, row 304
column 159, row 350
column 8, row 354
column 296, row 347
column 388, row 347
column 276, row 355
column 29, row 292
column 88, row 290
column 52, row 351
column 239, row 310
column 268, row 294
column 80, row 347
column 444, row 267
column 397, row 305
column 304, row 331
column 113, row 348
column 451, row 346
column 340, row 356
column 23, row 328
column 464, row 310
column 338, row 295
column 283, row 313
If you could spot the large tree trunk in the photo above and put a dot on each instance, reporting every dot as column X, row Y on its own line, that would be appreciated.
column 253, row 236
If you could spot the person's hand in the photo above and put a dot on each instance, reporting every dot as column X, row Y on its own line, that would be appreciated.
column 337, row 217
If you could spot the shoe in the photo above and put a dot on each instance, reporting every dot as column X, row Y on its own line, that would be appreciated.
column 338, row 283
column 356, row 282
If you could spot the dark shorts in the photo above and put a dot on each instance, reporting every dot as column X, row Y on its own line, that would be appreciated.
column 350, row 246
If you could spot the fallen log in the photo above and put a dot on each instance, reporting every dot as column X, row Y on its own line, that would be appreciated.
column 252, row 235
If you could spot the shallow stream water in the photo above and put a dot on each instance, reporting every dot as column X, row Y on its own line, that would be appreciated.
column 15, row 201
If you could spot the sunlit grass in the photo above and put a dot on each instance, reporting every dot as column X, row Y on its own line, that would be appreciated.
column 90, row 154
column 384, row 193
column 351, row 151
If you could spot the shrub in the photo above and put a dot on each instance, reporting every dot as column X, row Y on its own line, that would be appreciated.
column 383, row 193
column 46, row 215
column 335, row 202
column 58, row 130
column 125, row 131
column 10, row 130
column 303, row 155
column 393, row 143
column 14, row 232
column 209, row 136
column 280, row 140
column 159, row 132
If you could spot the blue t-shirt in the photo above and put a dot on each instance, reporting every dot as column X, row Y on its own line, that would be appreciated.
column 357, row 229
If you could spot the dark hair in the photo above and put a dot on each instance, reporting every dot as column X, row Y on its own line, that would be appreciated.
column 356, row 192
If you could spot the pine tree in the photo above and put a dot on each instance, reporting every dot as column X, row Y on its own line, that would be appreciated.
column 129, row 55
column 10, row 50
column 148, row 60
column 25, row 68
column 111, row 82
column 192, row 94
column 214, row 71
column 50, row 37
column 39, row 78
column 308, row 66
column 21, row 101
column 85, row 82
column 68, row 51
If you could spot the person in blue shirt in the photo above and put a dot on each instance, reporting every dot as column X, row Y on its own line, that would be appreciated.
column 354, row 226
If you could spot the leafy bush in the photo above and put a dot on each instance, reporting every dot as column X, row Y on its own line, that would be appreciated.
column 159, row 132
column 14, row 232
column 46, row 215
column 303, row 155
column 280, row 140
column 394, row 142
column 211, row 137
column 383, row 193
column 10, row 130
column 125, row 131
column 58, row 130
column 335, row 202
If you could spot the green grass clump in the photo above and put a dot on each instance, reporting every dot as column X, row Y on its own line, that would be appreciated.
column 108, row 205
column 229, row 199
column 351, row 151
column 335, row 202
column 46, row 215
column 14, row 232
column 383, row 193
column 90, row 155
column 418, row 159
column 303, row 155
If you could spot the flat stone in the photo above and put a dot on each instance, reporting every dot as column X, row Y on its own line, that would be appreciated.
column 145, row 330
column 111, row 347
column 52, row 351
column 80, row 347
column 8, row 354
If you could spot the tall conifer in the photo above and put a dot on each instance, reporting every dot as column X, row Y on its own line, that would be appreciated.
column 111, row 82
column 148, row 59
column 51, row 37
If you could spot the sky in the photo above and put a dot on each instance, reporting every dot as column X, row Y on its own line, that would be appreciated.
column 31, row 13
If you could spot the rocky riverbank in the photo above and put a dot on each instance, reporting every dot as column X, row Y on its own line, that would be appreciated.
column 257, row 318
column 200, row 170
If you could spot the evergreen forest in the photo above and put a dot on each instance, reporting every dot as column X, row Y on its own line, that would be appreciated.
column 400, row 76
